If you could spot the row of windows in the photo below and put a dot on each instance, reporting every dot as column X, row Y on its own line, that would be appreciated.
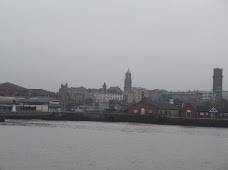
column 202, row 114
column 34, row 103
column 112, row 97
column 206, row 114
column 165, row 112
column 140, row 111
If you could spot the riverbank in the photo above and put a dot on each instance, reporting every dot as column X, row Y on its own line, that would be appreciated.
column 167, row 120
column 119, row 117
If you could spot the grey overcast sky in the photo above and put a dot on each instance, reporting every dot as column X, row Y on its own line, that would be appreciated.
column 167, row 44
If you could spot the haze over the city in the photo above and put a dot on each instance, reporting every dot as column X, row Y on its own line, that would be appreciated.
column 171, row 45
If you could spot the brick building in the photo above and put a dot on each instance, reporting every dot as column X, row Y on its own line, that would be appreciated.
column 153, row 108
column 192, row 111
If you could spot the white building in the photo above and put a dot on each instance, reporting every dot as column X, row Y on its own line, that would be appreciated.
column 106, row 97
column 225, row 95
column 41, row 104
column 102, row 99
column 207, row 96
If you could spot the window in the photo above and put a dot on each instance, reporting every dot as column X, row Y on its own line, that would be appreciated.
column 150, row 111
column 201, row 113
column 135, row 111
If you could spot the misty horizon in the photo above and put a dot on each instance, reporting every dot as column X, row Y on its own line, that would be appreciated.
column 166, row 45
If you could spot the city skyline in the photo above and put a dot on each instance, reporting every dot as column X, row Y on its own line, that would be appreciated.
column 86, row 43
column 122, row 88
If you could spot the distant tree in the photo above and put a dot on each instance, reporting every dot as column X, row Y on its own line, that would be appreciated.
column 207, row 103
column 89, row 102
column 113, row 103
column 222, row 102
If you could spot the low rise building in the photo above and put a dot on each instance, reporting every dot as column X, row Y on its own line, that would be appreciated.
column 190, row 110
column 145, row 107
column 42, row 104
column 9, row 104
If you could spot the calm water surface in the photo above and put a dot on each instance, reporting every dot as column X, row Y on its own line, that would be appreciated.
column 44, row 145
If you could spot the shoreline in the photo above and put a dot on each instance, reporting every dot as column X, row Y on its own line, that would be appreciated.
column 120, row 117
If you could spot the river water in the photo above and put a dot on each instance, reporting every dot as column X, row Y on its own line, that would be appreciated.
column 52, row 145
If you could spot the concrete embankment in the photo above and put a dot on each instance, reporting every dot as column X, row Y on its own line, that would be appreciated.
column 117, row 117
column 25, row 115
column 44, row 116
column 168, row 120
column 65, row 116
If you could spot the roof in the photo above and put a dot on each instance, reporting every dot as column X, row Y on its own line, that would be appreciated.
column 177, row 101
column 224, row 109
column 201, row 108
column 163, row 105
column 92, row 90
column 38, row 92
column 190, row 104
column 35, row 99
column 206, row 108
column 11, row 86
column 160, row 105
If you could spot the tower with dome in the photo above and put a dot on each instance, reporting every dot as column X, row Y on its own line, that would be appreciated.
column 128, row 82
column 128, row 87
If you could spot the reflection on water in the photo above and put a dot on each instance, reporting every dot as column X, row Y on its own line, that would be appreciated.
column 51, row 145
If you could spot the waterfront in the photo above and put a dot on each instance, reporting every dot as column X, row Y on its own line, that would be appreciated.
column 52, row 145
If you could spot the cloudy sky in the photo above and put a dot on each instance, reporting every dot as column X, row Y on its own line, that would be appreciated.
column 167, row 44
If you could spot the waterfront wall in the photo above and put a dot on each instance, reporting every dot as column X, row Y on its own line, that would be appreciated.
column 2, row 118
column 168, row 120
column 119, row 117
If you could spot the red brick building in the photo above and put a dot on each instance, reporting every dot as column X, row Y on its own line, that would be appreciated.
column 153, row 108
column 177, row 102
column 191, row 111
